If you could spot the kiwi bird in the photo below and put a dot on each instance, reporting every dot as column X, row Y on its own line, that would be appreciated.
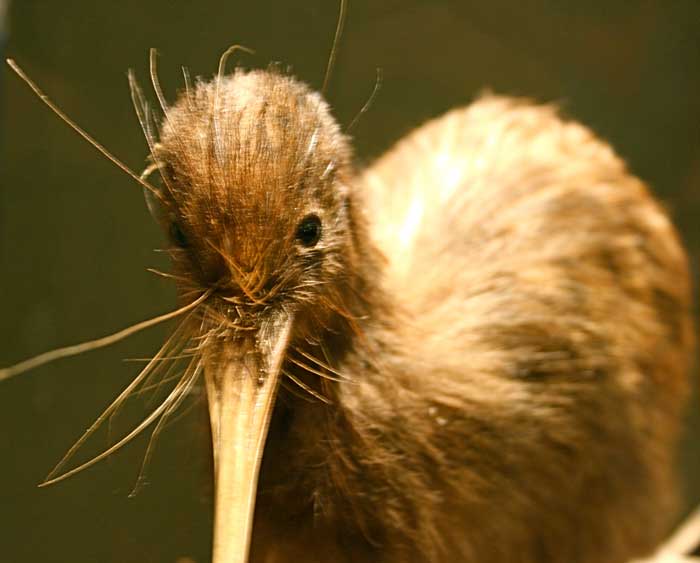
column 474, row 350
column 490, row 323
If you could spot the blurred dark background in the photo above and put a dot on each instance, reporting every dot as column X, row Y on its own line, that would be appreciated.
column 75, row 236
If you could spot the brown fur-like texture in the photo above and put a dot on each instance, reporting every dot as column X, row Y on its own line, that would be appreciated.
column 496, row 314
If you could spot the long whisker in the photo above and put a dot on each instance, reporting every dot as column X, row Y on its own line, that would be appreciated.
column 76, row 349
column 368, row 103
column 171, row 374
column 184, row 412
column 155, row 81
column 135, row 432
column 306, row 388
column 108, row 411
column 73, row 125
column 142, row 114
column 174, row 343
column 187, row 382
column 168, row 275
column 79, row 130
column 312, row 370
column 181, row 341
column 319, row 363
column 164, row 359
column 334, row 48
column 145, row 388
column 224, row 58
column 153, row 69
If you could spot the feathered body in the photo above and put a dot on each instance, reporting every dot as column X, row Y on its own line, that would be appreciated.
column 493, row 328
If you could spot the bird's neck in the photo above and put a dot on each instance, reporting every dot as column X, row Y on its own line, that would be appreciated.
column 303, row 464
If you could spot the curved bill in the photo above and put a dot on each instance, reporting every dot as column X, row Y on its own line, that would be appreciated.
column 241, row 388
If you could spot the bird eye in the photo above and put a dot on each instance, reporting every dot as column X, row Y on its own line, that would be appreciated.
column 177, row 236
column 309, row 230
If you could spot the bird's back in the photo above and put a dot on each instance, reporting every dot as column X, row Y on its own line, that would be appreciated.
column 543, row 298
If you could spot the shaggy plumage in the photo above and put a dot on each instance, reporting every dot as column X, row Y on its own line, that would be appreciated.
column 491, row 338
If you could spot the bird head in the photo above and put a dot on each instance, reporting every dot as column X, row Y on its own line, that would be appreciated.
column 255, row 200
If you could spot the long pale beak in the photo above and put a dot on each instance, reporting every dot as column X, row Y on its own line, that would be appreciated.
column 241, row 390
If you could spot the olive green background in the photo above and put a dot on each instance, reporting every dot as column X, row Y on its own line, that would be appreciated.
column 75, row 236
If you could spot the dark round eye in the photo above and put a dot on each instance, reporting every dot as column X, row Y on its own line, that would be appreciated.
column 309, row 230
column 177, row 236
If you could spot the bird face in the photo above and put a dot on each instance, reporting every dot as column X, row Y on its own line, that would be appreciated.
column 254, row 199
column 255, row 204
